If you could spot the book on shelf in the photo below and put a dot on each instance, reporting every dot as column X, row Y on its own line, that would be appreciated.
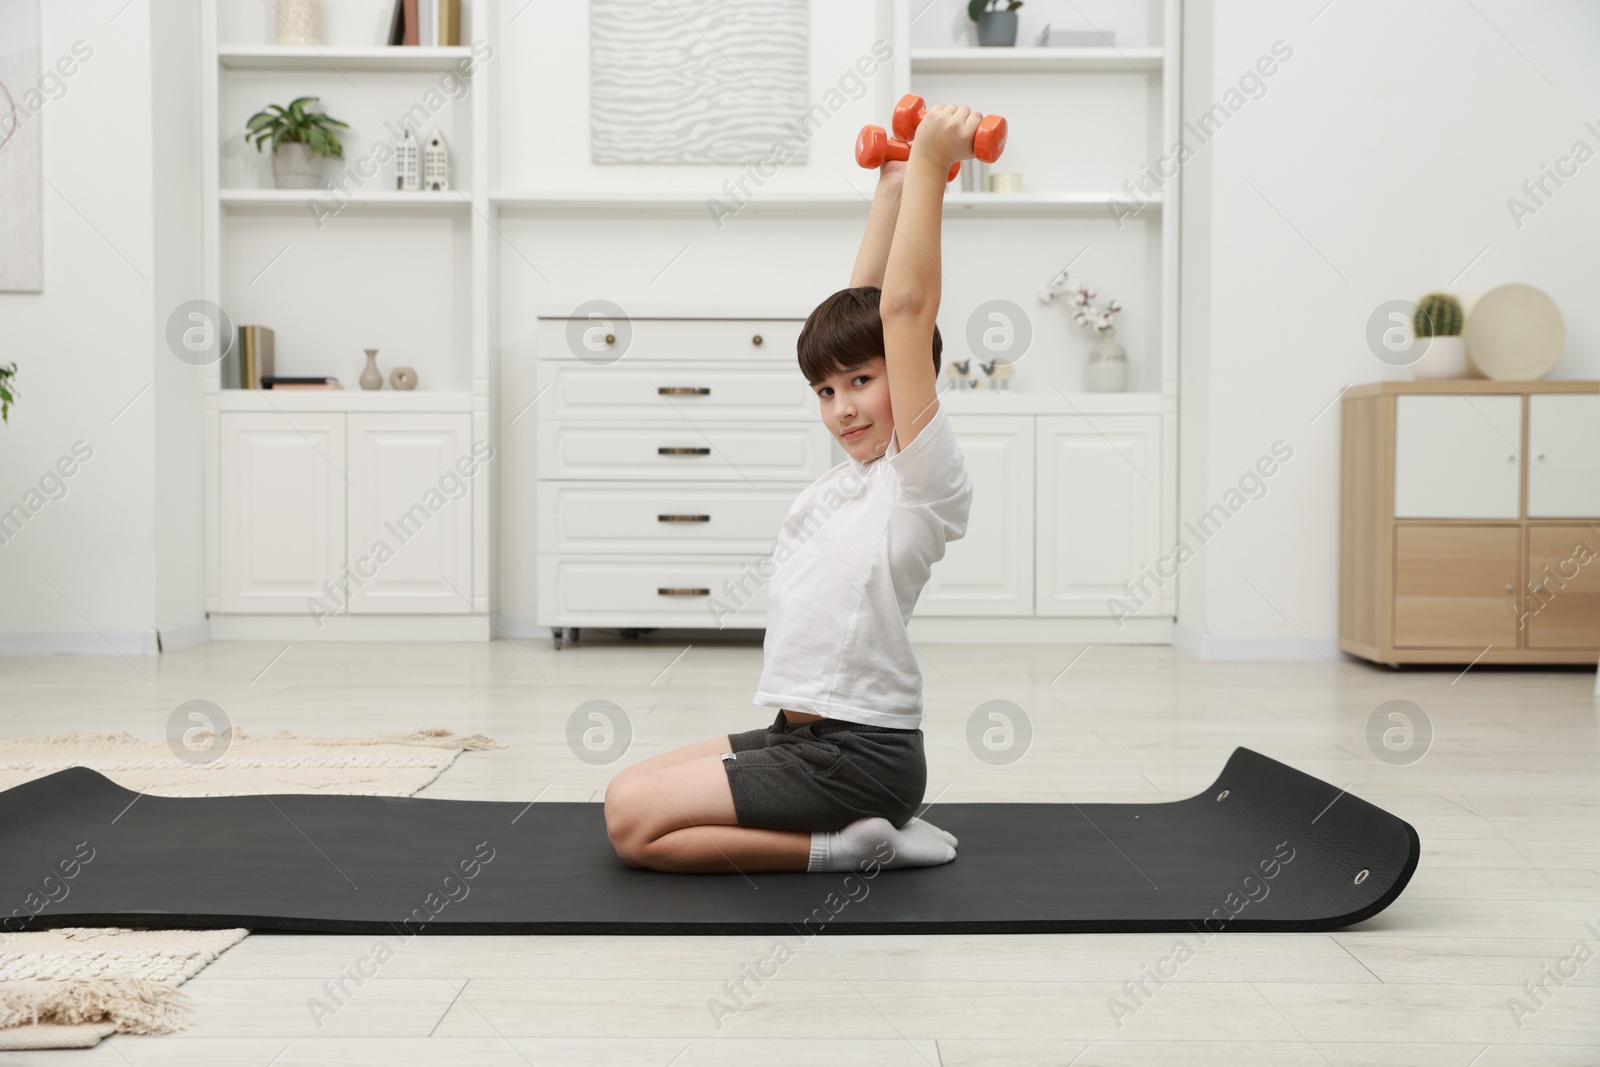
column 425, row 23
column 249, row 360
column 300, row 383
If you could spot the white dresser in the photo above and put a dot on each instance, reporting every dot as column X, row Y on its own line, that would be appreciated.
column 670, row 449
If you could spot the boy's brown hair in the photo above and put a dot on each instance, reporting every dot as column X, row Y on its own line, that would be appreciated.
column 844, row 332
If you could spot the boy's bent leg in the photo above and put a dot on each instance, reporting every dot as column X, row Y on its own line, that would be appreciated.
column 711, row 746
column 681, row 818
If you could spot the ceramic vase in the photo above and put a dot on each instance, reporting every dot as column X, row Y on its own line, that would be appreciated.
column 1107, row 371
column 372, row 378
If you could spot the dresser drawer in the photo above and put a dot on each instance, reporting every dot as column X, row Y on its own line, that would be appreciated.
column 705, row 450
column 688, row 591
column 702, row 517
column 676, row 389
column 769, row 340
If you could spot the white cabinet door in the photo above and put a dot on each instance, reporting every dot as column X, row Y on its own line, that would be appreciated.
column 1563, row 455
column 412, row 477
column 280, row 509
column 1099, row 511
column 1457, row 457
column 990, row 570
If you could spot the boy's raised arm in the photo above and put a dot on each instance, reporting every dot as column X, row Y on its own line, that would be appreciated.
column 874, row 253
column 909, row 305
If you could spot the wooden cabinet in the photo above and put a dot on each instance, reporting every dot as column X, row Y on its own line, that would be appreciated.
column 1437, row 439
column 1561, row 591
column 1563, row 455
column 1455, row 586
column 1447, row 551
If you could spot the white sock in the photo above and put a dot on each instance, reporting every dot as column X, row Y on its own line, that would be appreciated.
column 875, row 839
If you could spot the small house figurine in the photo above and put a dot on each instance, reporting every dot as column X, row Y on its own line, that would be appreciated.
column 407, row 172
column 436, row 164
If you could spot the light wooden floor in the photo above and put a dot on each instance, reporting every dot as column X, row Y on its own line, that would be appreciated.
column 1507, row 803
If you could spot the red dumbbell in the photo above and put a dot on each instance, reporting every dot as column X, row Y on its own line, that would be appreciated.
column 874, row 145
column 987, row 143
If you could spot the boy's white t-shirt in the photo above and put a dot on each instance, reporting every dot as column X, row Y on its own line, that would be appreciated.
column 856, row 549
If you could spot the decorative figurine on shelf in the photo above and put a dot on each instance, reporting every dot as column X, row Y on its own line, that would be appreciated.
column 435, row 164
column 957, row 371
column 407, row 168
column 998, row 374
column 1107, row 370
column 402, row 378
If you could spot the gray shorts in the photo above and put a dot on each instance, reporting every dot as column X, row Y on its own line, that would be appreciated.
column 825, row 775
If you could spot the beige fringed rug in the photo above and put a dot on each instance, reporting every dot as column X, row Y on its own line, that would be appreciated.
column 69, row 988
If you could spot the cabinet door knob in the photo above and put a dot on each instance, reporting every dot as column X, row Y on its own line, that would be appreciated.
column 611, row 338
column 1511, row 458
column 1540, row 457
column 1508, row 587
column 756, row 340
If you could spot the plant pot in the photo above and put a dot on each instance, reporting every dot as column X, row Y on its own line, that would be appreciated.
column 295, row 166
column 997, row 29
column 1107, row 370
column 1440, row 357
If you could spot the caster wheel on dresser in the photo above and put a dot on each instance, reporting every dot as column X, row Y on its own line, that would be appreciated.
column 555, row 637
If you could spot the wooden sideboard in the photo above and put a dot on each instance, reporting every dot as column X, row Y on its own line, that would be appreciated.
column 1469, row 522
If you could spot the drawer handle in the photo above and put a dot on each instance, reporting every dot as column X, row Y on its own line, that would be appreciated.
column 683, row 518
column 683, row 592
column 683, row 390
column 756, row 340
column 611, row 338
column 665, row 450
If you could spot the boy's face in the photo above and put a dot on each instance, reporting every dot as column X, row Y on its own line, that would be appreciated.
column 858, row 400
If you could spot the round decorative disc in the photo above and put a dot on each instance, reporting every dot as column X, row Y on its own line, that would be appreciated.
column 1514, row 333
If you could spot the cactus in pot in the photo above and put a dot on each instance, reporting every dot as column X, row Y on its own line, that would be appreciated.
column 1436, row 325
column 1437, row 315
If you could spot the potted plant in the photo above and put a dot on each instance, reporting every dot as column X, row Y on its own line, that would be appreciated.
column 1436, row 325
column 299, row 139
column 997, row 25
column 8, row 391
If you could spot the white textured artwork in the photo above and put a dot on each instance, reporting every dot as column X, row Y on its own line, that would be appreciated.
column 697, row 81
column 21, row 181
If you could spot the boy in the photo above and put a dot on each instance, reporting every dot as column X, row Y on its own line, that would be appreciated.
column 835, row 781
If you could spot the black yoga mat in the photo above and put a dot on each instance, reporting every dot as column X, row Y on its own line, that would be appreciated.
column 1266, row 847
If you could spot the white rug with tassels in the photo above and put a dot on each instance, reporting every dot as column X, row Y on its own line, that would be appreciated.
column 68, row 988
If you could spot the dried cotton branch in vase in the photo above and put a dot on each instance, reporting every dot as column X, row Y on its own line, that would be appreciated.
column 1101, row 319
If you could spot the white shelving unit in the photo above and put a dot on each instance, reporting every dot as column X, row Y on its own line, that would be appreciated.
column 259, row 239
column 1035, row 60
column 413, row 266
column 290, row 57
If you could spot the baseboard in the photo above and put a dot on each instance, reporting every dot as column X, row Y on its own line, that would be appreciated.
column 1190, row 640
column 1274, row 648
column 178, row 638
column 302, row 627
column 982, row 630
column 70, row 643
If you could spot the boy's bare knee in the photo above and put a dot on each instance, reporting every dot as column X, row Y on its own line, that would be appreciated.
column 625, row 823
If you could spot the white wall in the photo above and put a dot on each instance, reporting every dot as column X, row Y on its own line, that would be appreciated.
column 1376, row 166
column 82, row 573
